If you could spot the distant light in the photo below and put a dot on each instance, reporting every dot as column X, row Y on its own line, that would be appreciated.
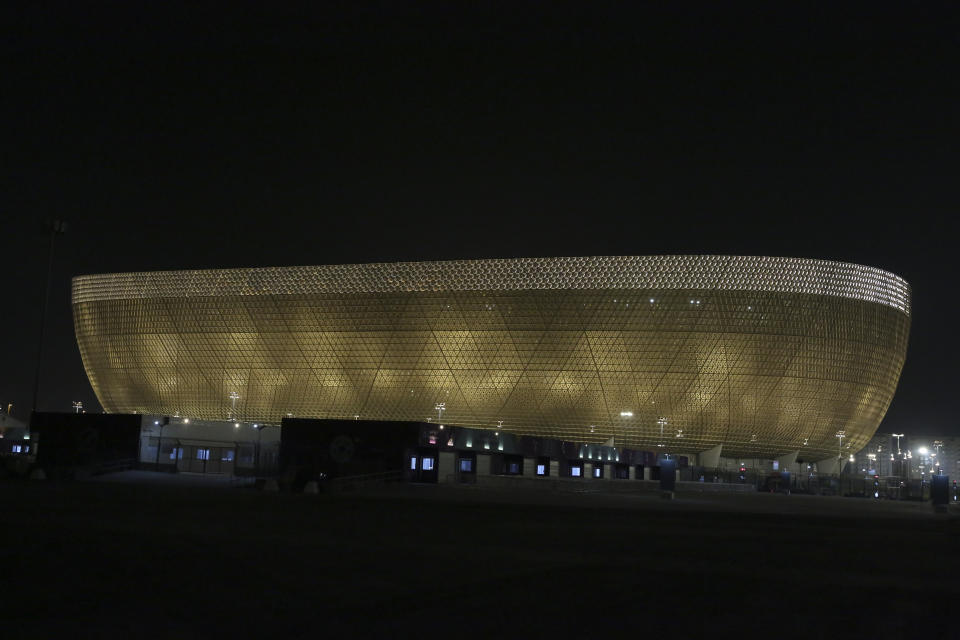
column 236, row 425
column 922, row 451
column 186, row 421
column 652, row 300
column 626, row 414
column 441, row 427
column 255, row 425
column 156, row 422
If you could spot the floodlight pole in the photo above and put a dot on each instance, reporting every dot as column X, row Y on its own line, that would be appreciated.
column 234, row 396
column 159, row 444
column 260, row 429
column 840, row 436
column 55, row 227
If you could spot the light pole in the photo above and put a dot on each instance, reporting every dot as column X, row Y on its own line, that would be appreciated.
column 662, row 422
column 623, row 414
column 897, row 436
column 57, row 227
column 159, row 441
column 440, row 408
column 840, row 436
column 899, row 455
column 77, row 406
column 234, row 396
column 260, row 428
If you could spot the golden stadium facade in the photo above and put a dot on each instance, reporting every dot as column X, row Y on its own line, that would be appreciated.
column 762, row 355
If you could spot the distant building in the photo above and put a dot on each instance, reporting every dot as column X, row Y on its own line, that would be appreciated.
column 70, row 445
column 9, row 424
column 914, row 457
column 709, row 356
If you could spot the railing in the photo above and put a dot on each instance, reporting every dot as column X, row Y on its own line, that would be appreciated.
column 597, row 485
column 113, row 466
column 352, row 483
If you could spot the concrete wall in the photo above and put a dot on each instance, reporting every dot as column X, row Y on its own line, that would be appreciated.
column 530, row 467
column 448, row 466
column 483, row 465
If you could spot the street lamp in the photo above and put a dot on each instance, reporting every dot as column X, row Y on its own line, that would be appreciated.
column 77, row 406
column 158, row 423
column 897, row 436
column 234, row 396
column 440, row 408
column 260, row 428
column 841, row 434
column 662, row 422
column 56, row 227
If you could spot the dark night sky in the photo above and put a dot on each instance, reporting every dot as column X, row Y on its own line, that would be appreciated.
column 184, row 136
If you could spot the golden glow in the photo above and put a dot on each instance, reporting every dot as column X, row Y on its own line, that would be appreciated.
column 771, row 352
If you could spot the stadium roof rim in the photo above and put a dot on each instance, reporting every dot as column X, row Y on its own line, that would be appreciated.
column 694, row 272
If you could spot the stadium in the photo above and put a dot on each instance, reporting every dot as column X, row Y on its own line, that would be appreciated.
column 761, row 356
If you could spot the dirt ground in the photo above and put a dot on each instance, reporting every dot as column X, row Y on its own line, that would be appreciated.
column 152, row 557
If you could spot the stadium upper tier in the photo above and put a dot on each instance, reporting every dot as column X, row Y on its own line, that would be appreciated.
column 763, row 355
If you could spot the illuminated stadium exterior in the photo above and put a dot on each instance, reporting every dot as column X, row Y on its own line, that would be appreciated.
column 760, row 355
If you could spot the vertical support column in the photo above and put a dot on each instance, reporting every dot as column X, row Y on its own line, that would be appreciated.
column 787, row 460
column 829, row 466
column 710, row 459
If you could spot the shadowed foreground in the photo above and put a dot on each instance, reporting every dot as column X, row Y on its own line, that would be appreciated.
column 106, row 558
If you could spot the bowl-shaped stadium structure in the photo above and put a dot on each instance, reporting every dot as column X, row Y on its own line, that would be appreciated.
column 762, row 355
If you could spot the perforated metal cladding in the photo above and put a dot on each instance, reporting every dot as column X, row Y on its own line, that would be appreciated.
column 759, row 370
column 787, row 275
